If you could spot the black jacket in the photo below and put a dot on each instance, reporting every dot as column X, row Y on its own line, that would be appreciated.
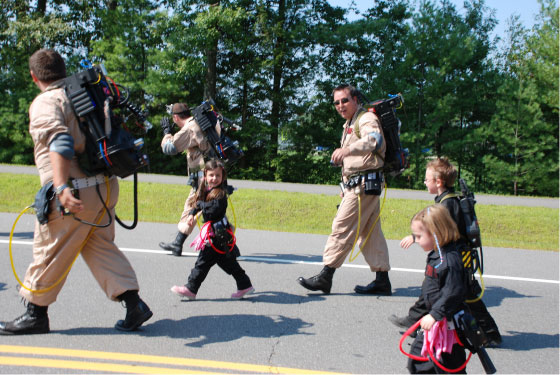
column 454, row 207
column 213, row 210
column 445, row 282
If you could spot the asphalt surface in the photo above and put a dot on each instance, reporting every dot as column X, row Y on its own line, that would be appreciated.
column 282, row 328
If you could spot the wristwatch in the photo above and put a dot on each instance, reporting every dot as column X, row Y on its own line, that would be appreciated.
column 60, row 189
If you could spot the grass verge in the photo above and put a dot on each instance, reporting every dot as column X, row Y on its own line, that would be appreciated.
column 502, row 226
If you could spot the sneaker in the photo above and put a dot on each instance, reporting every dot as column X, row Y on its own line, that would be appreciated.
column 240, row 293
column 183, row 291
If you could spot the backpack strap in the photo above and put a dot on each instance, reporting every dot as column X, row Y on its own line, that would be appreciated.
column 450, row 195
column 357, row 129
column 357, row 122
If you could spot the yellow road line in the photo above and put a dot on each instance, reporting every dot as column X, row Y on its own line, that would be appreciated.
column 142, row 358
column 93, row 366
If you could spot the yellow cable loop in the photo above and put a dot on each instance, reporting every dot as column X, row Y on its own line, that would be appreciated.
column 482, row 289
column 371, row 229
column 98, row 79
column 76, row 257
column 233, row 212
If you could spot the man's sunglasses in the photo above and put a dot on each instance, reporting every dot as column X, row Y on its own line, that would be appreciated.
column 343, row 101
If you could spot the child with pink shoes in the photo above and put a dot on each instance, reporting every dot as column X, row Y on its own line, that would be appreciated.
column 216, row 241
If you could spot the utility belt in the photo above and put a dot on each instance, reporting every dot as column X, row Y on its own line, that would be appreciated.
column 47, row 193
column 373, row 181
column 82, row 183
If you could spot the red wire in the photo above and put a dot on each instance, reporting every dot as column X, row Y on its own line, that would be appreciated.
column 404, row 336
column 208, row 238
column 430, row 353
column 116, row 88
column 106, row 154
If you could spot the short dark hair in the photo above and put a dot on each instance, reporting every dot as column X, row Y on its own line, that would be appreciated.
column 181, row 109
column 353, row 91
column 47, row 65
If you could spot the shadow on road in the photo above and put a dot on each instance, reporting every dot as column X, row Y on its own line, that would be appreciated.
column 494, row 295
column 18, row 235
column 522, row 341
column 209, row 329
column 276, row 298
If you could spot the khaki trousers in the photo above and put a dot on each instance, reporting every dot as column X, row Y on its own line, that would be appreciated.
column 183, row 226
column 56, row 244
column 344, row 227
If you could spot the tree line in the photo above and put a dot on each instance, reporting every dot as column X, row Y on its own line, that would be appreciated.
column 489, row 104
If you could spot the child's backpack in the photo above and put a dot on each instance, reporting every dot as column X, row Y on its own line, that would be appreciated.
column 396, row 157
column 472, row 229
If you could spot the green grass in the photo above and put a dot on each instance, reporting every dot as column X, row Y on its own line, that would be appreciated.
column 502, row 226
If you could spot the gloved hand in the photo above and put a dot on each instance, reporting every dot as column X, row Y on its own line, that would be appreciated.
column 165, row 125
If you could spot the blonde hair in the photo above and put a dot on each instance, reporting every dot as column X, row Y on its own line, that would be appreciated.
column 444, row 170
column 437, row 220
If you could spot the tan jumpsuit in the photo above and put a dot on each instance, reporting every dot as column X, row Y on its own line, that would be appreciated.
column 192, row 139
column 56, row 244
column 345, row 224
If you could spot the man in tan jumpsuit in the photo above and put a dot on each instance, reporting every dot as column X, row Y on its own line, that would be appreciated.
column 189, row 138
column 360, row 153
column 58, row 138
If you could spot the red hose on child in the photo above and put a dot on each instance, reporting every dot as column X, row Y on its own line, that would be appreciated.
column 430, row 353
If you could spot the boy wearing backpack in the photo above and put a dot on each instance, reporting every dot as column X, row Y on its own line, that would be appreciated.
column 440, row 179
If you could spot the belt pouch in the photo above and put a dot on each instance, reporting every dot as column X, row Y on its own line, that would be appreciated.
column 42, row 200
column 372, row 181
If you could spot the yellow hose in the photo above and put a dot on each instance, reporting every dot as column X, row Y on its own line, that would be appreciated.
column 37, row 291
column 371, row 229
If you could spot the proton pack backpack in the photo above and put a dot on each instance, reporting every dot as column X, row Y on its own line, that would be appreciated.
column 222, row 147
column 396, row 157
column 472, row 229
column 110, row 147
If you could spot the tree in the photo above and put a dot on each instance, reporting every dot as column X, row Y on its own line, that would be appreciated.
column 524, row 130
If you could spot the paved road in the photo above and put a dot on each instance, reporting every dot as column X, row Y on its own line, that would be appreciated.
column 281, row 328
column 319, row 189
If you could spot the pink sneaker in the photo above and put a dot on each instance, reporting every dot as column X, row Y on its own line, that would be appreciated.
column 240, row 293
column 183, row 291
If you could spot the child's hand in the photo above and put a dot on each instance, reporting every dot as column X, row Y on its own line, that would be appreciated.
column 407, row 241
column 427, row 322
column 190, row 220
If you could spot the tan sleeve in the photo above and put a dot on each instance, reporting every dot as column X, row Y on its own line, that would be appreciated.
column 46, row 119
column 371, row 136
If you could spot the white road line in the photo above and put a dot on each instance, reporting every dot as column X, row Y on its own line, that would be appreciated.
column 287, row 261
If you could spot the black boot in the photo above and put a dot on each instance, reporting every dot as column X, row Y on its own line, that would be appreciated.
column 380, row 286
column 35, row 320
column 322, row 281
column 176, row 246
column 137, row 312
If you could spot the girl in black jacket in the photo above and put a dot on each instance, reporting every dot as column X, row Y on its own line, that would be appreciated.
column 216, row 241
column 443, row 289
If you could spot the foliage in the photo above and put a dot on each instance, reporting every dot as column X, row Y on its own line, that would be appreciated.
column 271, row 66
